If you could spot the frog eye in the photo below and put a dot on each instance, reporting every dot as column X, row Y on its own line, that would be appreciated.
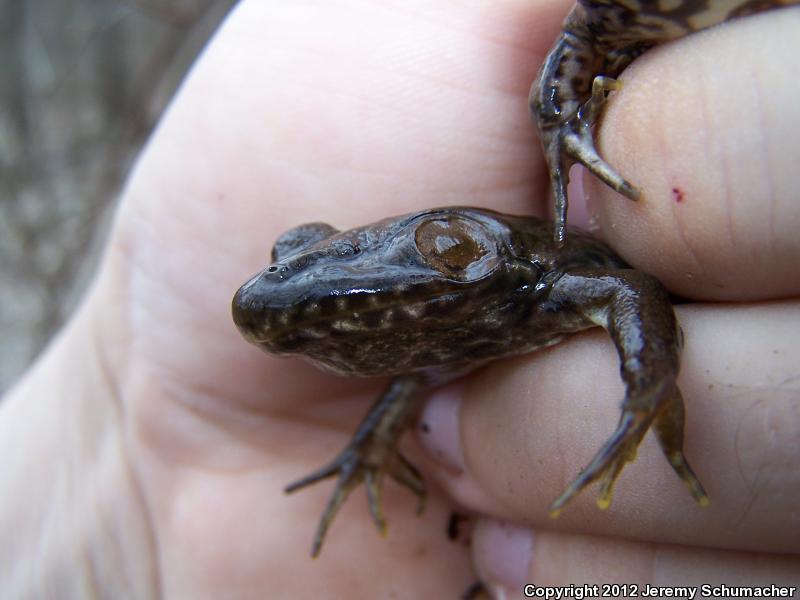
column 457, row 247
column 299, row 238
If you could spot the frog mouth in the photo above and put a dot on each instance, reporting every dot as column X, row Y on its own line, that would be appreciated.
column 286, row 319
column 314, row 320
column 288, row 329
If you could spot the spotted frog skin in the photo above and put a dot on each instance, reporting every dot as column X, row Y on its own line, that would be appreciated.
column 429, row 296
column 598, row 40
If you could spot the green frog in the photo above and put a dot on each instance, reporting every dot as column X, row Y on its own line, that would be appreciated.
column 598, row 40
column 430, row 296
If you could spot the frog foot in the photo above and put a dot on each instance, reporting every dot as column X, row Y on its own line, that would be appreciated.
column 621, row 447
column 366, row 459
column 573, row 142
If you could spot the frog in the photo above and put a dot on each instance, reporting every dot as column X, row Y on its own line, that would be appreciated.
column 598, row 40
column 427, row 297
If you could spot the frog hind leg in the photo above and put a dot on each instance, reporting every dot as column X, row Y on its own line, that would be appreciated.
column 370, row 455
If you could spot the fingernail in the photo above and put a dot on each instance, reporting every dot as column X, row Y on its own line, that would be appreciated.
column 438, row 429
column 502, row 553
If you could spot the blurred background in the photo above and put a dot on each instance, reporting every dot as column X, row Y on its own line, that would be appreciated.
column 82, row 84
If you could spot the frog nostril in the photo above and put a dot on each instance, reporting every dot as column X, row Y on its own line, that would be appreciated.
column 281, row 270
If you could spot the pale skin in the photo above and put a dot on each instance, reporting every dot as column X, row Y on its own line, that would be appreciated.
column 147, row 450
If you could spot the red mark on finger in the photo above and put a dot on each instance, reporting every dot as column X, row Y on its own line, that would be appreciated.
column 677, row 193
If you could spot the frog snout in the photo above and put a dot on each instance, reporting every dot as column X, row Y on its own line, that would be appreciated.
column 247, row 310
column 268, row 304
column 253, row 306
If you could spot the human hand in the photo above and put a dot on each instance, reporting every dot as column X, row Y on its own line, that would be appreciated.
column 162, row 441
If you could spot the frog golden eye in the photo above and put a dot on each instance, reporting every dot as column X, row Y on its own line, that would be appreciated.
column 457, row 247
column 300, row 238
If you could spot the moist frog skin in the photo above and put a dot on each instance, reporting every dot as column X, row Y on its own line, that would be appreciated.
column 429, row 296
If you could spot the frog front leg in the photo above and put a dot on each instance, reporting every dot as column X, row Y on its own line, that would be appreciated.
column 566, row 100
column 371, row 454
column 566, row 141
column 635, row 310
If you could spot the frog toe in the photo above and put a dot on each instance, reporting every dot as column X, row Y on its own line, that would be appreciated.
column 611, row 474
column 318, row 475
column 579, row 145
column 668, row 427
column 684, row 471
column 406, row 474
column 372, row 481
column 351, row 473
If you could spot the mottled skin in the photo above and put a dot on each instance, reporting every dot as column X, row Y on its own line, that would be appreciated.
column 598, row 40
column 427, row 297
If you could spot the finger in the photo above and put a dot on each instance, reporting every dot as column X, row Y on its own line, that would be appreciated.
column 508, row 557
column 709, row 128
column 526, row 428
